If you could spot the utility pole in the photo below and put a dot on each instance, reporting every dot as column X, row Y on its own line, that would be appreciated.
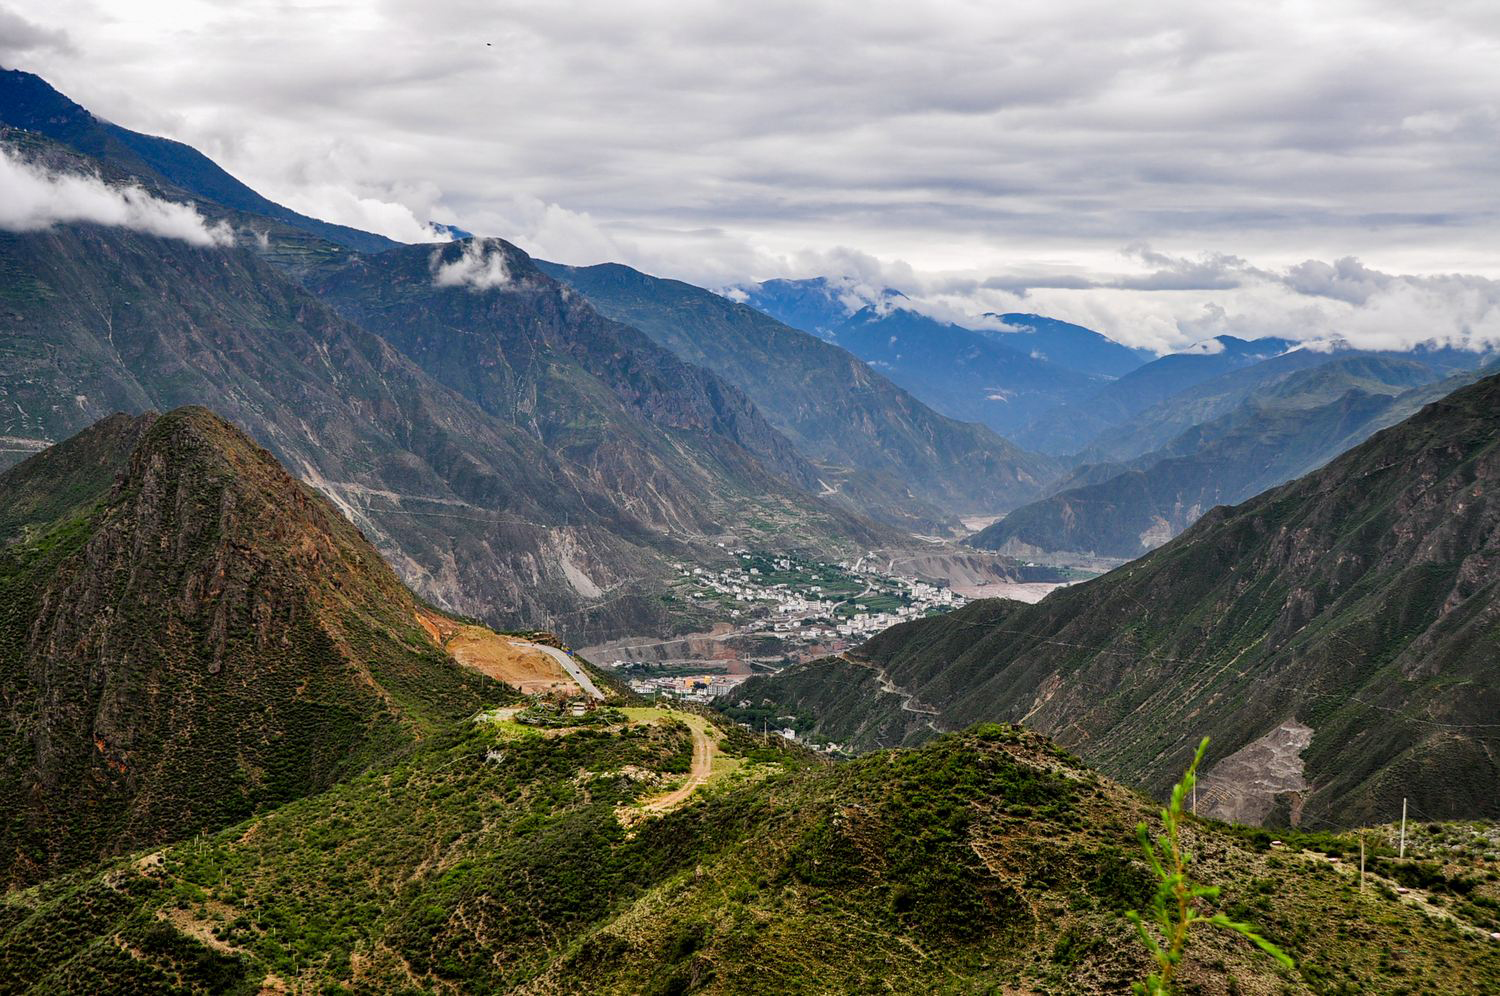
column 1402, row 853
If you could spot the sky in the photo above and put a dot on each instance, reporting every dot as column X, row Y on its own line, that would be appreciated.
column 1161, row 172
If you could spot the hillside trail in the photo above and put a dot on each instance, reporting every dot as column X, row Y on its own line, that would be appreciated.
column 909, row 702
column 703, row 763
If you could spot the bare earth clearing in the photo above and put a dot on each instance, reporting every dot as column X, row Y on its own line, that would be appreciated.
column 530, row 668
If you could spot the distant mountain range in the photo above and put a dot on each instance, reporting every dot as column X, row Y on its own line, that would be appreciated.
column 1070, row 427
column 1335, row 636
column 817, row 304
column 999, row 370
column 1284, row 427
column 963, row 373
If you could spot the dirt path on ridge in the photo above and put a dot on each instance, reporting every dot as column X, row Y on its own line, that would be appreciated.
column 703, row 763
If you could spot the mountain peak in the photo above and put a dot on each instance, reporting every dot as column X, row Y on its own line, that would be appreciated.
column 199, row 635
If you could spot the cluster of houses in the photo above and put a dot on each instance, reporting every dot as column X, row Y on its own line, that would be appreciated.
column 691, row 687
column 807, row 612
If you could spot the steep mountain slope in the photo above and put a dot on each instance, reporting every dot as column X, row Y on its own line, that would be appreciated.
column 832, row 406
column 188, row 635
column 1284, row 431
column 27, row 101
column 1360, row 604
column 489, row 861
column 100, row 320
column 1065, row 344
column 527, row 351
column 963, row 374
column 1072, row 426
column 521, row 516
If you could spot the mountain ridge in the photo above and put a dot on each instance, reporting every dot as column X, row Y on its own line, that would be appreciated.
column 27, row 101
column 191, row 636
column 833, row 406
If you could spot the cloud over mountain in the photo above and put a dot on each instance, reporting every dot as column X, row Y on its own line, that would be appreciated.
column 1003, row 155
column 33, row 198
column 479, row 266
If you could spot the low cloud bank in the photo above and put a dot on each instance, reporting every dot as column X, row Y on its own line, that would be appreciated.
column 479, row 267
column 33, row 199
column 1172, row 302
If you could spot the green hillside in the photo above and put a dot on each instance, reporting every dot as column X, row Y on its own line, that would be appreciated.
column 492, row 861
column 1357, row 604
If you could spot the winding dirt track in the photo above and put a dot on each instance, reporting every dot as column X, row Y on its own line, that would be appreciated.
column 703, row 763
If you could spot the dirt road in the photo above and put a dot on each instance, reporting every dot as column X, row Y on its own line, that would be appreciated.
column 909, row 702
column 703, row 763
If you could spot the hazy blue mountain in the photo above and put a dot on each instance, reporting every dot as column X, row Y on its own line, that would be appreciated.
column 1070, row 427
column 817, row 304
column 1065, row 344
column 961, row 373
column 1281, row 431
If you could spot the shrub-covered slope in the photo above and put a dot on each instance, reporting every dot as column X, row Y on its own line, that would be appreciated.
column 1361, row 601
column 189, row 634
column 488, row 861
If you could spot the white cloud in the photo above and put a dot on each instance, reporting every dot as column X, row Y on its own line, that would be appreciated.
column 479, row 266
column 342, row 206
column 33, row 198
column 1181, row 302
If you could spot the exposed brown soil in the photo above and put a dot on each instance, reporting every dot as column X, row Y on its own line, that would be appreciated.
column 522, row 665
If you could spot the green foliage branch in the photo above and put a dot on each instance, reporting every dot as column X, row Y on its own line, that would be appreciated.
column 1174, row 908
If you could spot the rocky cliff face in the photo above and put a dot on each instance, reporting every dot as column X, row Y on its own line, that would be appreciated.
column 1362, row 601
column 199, row 637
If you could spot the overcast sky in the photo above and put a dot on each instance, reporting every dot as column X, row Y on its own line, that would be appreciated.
column 1160, row 171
